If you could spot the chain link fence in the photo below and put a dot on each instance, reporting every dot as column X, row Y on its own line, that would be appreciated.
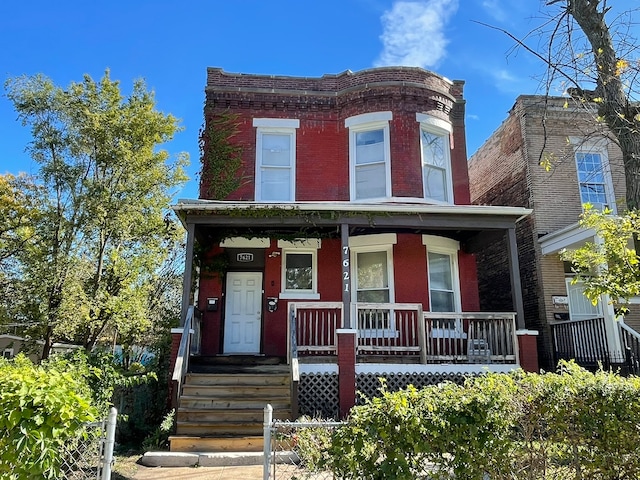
column 90, row 454
column 296, row 450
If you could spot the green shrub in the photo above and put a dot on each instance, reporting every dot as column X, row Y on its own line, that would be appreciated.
column 41, row 408
column 569, row 424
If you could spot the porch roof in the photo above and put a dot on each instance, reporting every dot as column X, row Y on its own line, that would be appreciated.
column 212, row 212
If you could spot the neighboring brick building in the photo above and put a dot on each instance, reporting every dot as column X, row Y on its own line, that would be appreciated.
column 508, row 170
column 351, row 242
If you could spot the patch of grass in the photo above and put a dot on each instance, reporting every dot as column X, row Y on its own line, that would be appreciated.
column 125, row 467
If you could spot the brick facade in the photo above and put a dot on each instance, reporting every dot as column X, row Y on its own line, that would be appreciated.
column 507, row 170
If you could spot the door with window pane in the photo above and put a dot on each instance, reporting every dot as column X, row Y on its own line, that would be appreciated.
column 372, row 286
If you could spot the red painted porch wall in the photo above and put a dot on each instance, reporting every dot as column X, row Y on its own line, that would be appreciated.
column 410, row 280
column 410, row 270
column 468, row 282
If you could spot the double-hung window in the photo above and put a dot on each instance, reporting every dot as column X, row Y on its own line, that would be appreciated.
column 372, row 258
column 594, row 176
column 300, row 269
column 275, row 159
column 369, row 155
column 436, row 158
column 444, row 292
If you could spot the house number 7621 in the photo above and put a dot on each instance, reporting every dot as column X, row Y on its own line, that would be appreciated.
column 345, row 269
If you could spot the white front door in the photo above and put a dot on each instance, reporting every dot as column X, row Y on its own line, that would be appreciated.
column 243, row 312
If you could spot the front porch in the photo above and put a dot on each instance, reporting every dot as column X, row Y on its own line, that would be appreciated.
column 401, row 333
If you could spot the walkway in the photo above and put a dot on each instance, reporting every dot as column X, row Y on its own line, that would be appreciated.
column 251, row 472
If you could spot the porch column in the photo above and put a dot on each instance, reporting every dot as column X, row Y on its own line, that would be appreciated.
column 516, row 286
column 346, row 369
column 528, row 350
column 188, row 273
column 346, row 276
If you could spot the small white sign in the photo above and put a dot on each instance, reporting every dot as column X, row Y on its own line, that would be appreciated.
column 245, row 257
column 560, row 300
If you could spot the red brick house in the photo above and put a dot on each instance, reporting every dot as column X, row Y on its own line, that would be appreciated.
column 347, row 253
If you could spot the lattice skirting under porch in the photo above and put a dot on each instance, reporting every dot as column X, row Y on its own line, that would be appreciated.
column 318, row 394
column 368, row 384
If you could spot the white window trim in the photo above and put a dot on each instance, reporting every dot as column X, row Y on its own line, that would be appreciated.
column 450, row 247
column 307, row 245
column 383, row 242
column 443, row 128
column 282, row 126
column 8, row 353
column 362, row 123
column 599, row 146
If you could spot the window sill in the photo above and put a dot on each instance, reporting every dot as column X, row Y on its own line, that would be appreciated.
column 299, row 296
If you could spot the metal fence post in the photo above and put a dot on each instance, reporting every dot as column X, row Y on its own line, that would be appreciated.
column 109, row 443
column 268, row 419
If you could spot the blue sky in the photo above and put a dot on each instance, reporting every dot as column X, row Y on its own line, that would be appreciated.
column 170, row 44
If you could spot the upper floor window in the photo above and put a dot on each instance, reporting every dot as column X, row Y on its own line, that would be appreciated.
column 300, row 268
column 369, row 155
column 275, row 159
column 594, row 176
column 436, row 158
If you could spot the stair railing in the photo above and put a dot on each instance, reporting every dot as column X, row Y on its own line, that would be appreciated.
column 182, row 360
column 293, row 361
column 631, row 345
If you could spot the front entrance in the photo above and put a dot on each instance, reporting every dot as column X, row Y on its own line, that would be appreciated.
column 243, row 313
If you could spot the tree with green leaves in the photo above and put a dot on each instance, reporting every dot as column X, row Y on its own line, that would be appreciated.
column 103, row 233
column 591, row 53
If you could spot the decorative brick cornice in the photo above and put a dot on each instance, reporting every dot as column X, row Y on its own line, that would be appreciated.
column 418, row 87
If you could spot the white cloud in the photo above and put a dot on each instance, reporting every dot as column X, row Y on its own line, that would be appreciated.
column 413, row 33
column 495, row 10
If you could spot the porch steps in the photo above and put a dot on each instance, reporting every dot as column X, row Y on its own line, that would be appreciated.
column 222, row 410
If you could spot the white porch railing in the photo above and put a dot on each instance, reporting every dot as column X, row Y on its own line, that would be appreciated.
column 404, row 330
column 184, row 351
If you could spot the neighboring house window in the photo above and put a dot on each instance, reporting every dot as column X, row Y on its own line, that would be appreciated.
column 594, row 176
column 369, row 155
column 436, row 158
column 7, row 353
column 300, row 269
column 275, row 159
column 444, row 281
column 372, row 260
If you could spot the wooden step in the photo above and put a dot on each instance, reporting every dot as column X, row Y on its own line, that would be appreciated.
column 216, row 444
column 224, row 415
column 221, row 429
column 237, row 379
column 239, row 391
column 199, row 401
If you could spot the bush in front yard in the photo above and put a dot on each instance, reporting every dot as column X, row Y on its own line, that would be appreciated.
column 569, row 424
column 41, row 407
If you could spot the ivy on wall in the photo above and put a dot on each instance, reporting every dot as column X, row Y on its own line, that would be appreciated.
column 220, row 158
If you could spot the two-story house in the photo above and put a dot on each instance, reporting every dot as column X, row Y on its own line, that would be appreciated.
column 346, row 253
column 552, row 156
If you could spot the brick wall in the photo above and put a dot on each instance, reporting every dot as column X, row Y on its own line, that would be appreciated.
column 506, row 171
column 322, row 141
